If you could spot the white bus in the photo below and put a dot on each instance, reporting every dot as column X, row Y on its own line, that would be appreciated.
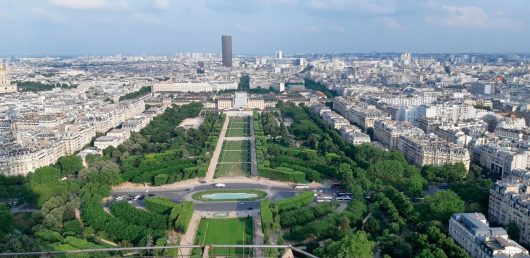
column 324, row 199
column 301, row 186
column 344, row 198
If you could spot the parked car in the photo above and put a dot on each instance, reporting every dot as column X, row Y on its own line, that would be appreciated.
column 219, row 185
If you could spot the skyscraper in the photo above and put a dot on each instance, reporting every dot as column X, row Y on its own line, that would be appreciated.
column 227, row 50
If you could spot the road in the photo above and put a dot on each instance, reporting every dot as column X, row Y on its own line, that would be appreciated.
column 184, row 194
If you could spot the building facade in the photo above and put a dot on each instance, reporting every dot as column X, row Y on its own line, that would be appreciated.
column 5, row 83
column 509, row 201
column 473, row 233
column 226, row 42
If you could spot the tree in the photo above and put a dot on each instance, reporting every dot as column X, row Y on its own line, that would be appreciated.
column 6, row 219
column 514, row 232
column 70, row 164
column 351, row 246
column 443, row 204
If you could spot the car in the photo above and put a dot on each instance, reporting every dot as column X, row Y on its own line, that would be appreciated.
column 241, row 203
column 187, row 189
column 150, row 195
column 249, row 208
column 138, row 197
column 444, row 186
column 219, row 185
column 119, row 198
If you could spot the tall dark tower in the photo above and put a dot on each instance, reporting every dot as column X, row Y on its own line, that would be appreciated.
column 227, row 50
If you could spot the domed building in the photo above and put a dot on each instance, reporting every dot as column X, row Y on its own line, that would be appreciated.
column 5, row 82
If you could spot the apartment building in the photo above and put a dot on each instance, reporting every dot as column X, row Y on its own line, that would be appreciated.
column 473, row 233
column 365, row 118
column 453, row 134
column 424, row 150
column 352, row 134
column 387, row 132
column 509, row 201
column 501, row 159
column 194, row 86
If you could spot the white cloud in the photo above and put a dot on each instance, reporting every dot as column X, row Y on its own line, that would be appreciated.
column 369, row 6
column 243, row 29
column 311, row 29
column 90, row 4
column 48, row 15
column 389, row 22
column 472, row 17
column 338, row 29
column 162, row 4
column 146, row 18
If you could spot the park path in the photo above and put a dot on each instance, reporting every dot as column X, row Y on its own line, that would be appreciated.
column 253, row 160
column 189, row 237
column 258, row 235
column 215, row 156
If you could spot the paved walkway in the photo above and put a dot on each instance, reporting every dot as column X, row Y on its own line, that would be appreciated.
column 253, row 160
column 215, row 156
column 189, row 237
column 258, row 235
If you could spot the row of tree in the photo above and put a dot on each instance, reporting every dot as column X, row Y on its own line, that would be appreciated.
column 135, row 94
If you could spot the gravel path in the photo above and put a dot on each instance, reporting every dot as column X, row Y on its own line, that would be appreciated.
column 215, row 156
column 189, row 237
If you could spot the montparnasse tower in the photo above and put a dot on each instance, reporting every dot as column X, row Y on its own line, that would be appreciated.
column 5, row 82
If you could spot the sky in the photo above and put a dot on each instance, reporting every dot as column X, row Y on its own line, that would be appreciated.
column 166, row 27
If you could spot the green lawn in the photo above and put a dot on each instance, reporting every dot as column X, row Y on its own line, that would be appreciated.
column 236, row 145
column 236, row 231
column 234, row 159
column 232, row 169
column 234, row 156
column 238, row 127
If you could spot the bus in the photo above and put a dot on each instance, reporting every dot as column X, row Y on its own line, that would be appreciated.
column 324, row 198
column 343, row 198
column 301, row 186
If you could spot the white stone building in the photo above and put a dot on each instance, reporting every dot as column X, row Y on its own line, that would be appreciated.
column 473, row 233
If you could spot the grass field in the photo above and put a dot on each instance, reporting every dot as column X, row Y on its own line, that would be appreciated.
column 238, row 127
column 232, row 169
column 234, row 159
column 236, row 231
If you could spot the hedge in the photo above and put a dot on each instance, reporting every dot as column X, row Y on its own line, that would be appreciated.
column 159, row 205
column 184, row 217
column 80, row 243
column 305, row 214
column 297, row 201
column 266, row 215
column 129, row 213
column 49, row 235
column 93, row 214
column 282, row 174
column 160, row 179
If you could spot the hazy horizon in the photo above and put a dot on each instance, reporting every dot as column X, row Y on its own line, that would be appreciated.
column 166, row 27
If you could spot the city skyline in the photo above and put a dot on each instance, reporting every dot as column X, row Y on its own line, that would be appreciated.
column 103, row 27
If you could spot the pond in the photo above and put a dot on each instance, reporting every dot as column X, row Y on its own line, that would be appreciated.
column 229, row 196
